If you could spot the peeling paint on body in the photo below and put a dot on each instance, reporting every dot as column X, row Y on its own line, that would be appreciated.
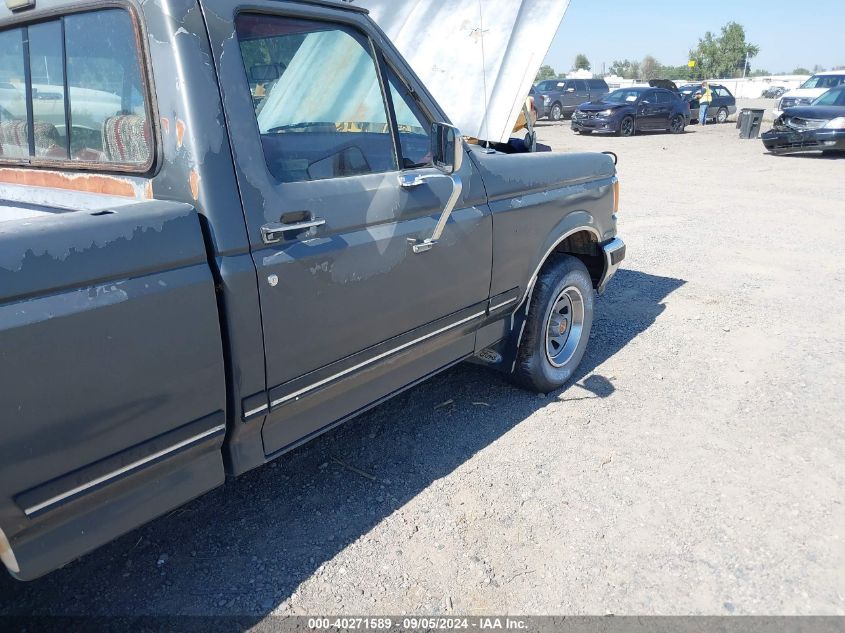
column 90, row 183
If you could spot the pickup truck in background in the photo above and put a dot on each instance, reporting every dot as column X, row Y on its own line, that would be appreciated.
column 264, row 226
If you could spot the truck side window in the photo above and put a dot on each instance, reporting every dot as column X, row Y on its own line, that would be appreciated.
column 14, row 143
column 107, row 109
column 413, row 125
column 88, row 100
column 317, row 97
column 48, row 94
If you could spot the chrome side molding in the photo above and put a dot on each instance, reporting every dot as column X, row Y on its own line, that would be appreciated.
column 305, row 390
column 52, row 501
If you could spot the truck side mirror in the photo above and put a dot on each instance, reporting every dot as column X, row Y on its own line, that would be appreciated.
column 447, row 149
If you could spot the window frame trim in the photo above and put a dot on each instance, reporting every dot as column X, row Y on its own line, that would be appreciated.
column 386, row 68
column 376, row 54
column 24, row 21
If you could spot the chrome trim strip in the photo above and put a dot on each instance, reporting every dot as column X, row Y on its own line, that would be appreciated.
column 610, row 269
column 502, row 305
column 120, row 471
column 370, row 361
column 256, row 410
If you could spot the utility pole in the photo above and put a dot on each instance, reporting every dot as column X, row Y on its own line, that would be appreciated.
column 745, row 65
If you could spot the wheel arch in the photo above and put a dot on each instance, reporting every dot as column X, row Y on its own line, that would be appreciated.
column 582, row 241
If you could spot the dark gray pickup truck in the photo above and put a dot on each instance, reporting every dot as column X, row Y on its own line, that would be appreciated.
column 209, row 254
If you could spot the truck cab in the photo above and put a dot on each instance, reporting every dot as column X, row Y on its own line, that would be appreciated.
column 227, row 227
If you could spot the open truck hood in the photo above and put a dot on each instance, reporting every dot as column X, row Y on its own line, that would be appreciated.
column 478, row 58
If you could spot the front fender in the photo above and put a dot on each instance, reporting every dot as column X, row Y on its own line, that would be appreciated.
column 537, row 201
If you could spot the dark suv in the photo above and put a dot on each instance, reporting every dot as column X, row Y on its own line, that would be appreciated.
column 722, row 106
column 562, row 96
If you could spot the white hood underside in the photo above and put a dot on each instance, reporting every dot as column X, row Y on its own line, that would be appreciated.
column 466, row 50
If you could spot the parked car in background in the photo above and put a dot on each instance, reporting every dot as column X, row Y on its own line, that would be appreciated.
column 810, row 90
column 818, row 127
column 773, row 92
column 630, row 110
column 562, row 96
column 722, row 107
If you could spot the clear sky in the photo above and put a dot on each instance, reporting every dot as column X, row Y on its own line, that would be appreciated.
column 789, row 34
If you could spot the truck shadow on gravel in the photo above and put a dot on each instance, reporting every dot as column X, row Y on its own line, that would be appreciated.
column 245, row 548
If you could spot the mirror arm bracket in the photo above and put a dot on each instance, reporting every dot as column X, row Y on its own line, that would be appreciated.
column 421, row 246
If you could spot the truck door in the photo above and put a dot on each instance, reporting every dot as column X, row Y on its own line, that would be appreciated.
column 323, row 131
column 582, row 92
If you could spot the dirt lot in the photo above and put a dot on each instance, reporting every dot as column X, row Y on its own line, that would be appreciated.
column 696, row 466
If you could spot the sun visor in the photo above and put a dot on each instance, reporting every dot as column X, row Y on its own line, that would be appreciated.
column 478, row 58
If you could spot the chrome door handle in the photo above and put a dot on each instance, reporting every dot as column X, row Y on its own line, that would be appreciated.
column 274, row 232
column 409, row 181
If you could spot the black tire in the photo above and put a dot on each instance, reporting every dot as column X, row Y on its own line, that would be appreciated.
column 678, row 124
column 563, row 278
column 627, row 127
column 556, row 112
column 722, row 115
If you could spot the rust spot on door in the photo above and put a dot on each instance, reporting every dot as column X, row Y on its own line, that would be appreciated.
column 165, row 125
column 88, row 183
column 180, row 132
column 195, row 184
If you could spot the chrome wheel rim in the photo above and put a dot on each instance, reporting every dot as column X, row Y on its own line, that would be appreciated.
column 556, row 112
column 627, row 127
column 722, row 116
column 565, row 326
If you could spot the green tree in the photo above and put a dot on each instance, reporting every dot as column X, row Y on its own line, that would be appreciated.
column 726, row 55
column 545, row 72
column 581, row 62
column 650, row 68
column 625, row 68
column 801, row 71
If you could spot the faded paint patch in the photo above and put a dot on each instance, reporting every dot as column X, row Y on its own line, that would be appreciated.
column 195, row 184
column 90, row 183
column 180, row 132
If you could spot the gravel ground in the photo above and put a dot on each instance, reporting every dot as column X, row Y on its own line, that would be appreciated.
column 697, row 465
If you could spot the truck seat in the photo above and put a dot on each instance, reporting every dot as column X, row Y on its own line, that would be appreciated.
column 13, row 139
column 126, row 138
column 14, row 142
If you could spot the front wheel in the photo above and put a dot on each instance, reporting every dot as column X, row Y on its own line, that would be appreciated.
column 626, row 127
column 557, row 330
column 677, row 124
column 721, row 115
column 556, row 112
